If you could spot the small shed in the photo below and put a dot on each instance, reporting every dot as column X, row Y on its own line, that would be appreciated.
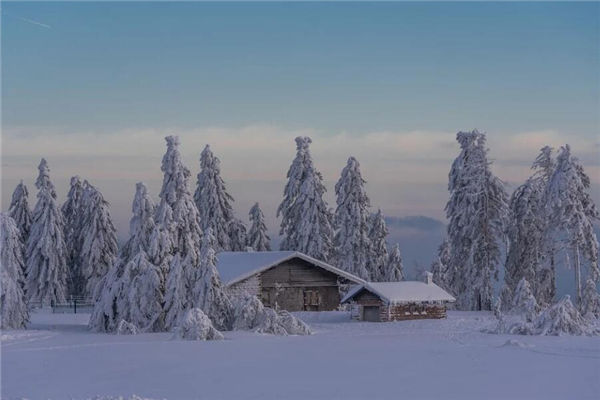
column 395, row 301
column 289, row 280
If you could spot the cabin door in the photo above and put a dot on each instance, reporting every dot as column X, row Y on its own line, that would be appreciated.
column 371, row 313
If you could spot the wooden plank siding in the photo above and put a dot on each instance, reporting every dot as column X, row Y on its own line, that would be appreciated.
column 295, row 284
column 399, row 312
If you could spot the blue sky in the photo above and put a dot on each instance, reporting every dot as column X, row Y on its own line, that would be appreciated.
column 95, row 86
column 352, row 67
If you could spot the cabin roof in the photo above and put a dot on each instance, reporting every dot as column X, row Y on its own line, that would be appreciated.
column 401, row 292
column 236, row 266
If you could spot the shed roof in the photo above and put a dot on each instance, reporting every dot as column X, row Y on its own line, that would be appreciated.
column 402, row 292
column 237, row 266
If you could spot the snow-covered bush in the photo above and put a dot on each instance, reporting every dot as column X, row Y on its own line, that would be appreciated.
column 126, row 328
column 563, row 318
column 195, row 325
column 247, row 312
column 524, row 302
column 291, row 324
column 251, row 314
column 559, row 319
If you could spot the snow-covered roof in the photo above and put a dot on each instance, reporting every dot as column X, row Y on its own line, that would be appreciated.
column 237, row 266
column 402, row 292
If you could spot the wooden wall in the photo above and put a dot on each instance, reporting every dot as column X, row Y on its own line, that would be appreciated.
column 290, row 284
column 401, row 312
column 295, row 282
column 398, row 312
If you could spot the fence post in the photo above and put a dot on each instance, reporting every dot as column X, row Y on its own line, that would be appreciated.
column 75, row 306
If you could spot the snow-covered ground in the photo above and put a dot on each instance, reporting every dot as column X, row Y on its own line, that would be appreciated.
column 57, row 358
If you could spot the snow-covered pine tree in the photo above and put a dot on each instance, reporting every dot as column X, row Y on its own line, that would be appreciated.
column 590, row 300
column 572, row 213
column 237, row 235
column 477, row 214
column 145, row 294
column 46, row 253
column 141, row 224
column 257, row 237
column 177, row 231
column 306, row 221
column 442, row 275
column 113, row 294
column 351, row 242
column 73, row 216
column 98, row 239
column 19, row 210
column 213, row 201
column 378, row 251
column 527, row 234
column 208, row 293
column 13, row 306
column 394, row 271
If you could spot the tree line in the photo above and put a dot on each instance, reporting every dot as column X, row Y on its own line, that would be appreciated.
column 167, row 265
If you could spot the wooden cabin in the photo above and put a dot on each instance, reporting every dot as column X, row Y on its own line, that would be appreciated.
column 291, row 280
column 395, row 301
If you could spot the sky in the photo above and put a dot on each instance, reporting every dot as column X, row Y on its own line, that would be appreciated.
column 95, row 87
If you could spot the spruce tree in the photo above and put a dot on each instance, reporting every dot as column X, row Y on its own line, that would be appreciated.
column 145, row 298
column 477, row 214
column 351, row 243
column 394, row 272
column 177, row 231
column 306, row 222
column 572, row 215
column 237, row 235
column 378, row 252
column 590, row 300
column 13, row 305
column 46, row 252
column 213, row 201
column 528, row 256
column 257, row 237
column 209, row 294
column 116, row 294
column 73, row 216
column 19, row 210
column 98, row 240
column 442, row 275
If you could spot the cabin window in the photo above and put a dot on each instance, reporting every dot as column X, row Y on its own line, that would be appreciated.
column 312, row 300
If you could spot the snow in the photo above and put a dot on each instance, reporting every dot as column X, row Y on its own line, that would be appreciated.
column 402, row 292
column 58, row 358
column 236, row 266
